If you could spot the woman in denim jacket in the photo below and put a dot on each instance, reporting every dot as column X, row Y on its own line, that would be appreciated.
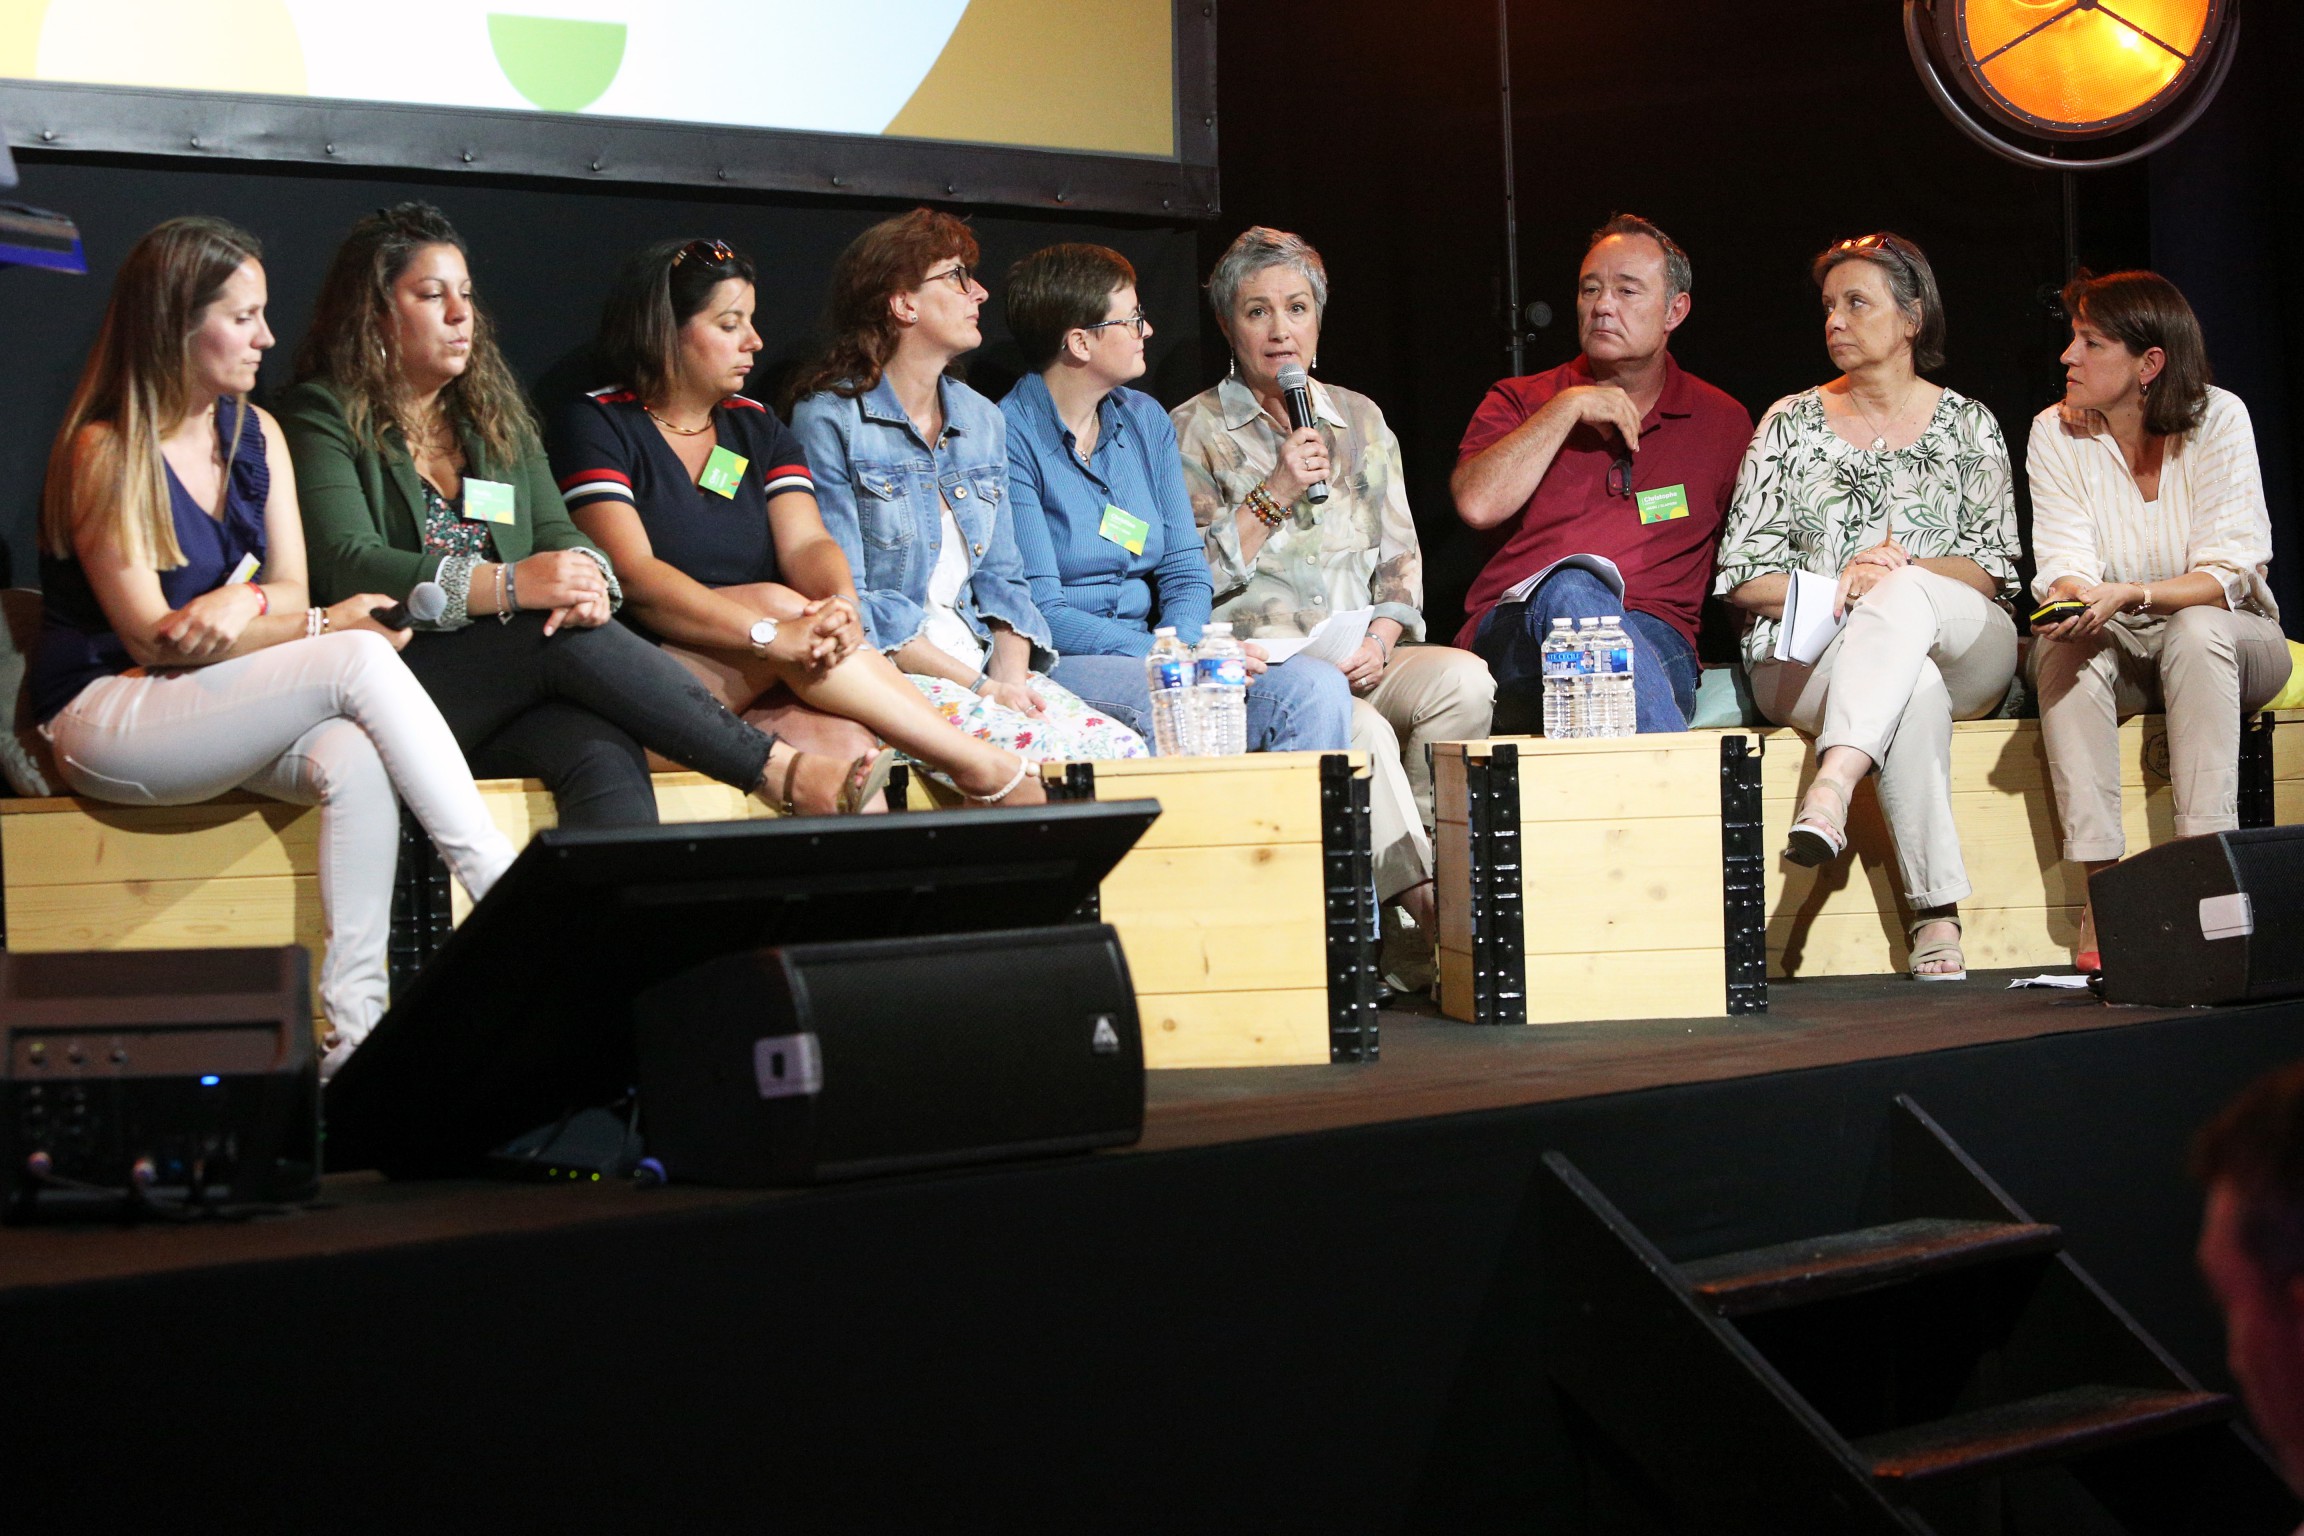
column 911, row 469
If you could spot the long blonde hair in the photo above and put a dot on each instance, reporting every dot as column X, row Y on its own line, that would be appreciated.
column 137, row 382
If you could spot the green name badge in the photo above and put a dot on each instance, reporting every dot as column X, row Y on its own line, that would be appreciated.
column 723, row 472
column 1125, row 529
column 488, row 501
column 1663, row 504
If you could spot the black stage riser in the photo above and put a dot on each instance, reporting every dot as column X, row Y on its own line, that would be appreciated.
column 1324, row 1332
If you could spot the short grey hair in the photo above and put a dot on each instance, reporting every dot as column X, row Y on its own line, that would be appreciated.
column 1257, row 249
column 1679, row 275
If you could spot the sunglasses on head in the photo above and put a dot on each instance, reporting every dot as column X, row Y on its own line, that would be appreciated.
column 706, row 253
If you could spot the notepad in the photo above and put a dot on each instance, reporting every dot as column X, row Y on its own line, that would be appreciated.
column 1808, row 624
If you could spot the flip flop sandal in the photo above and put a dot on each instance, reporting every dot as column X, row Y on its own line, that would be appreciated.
column 866, row 777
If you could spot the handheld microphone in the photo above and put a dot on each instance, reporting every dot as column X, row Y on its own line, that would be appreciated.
column 1298, row 390
column 425, row 602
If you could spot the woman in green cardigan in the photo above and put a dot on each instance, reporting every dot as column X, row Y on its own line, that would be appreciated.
column 417, row 460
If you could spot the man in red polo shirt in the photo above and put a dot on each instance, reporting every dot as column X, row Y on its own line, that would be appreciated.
column 1616, row 453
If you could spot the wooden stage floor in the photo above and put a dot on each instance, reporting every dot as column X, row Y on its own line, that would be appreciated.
column 1430, row 1066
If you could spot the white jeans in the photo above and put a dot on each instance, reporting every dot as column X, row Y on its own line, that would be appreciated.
column 335, row 722
column 1917, row 653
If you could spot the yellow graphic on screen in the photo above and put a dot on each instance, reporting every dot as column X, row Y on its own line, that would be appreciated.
column 1090, row 75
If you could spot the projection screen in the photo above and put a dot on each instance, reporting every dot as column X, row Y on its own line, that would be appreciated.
column 1097, row 104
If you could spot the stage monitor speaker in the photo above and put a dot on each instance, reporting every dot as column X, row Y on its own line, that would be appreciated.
column 830, row 1061
column 156, row 1078
column 2215, row 919
column 525, row 1015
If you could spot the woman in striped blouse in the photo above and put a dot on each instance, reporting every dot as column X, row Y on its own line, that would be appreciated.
column 2147, row 507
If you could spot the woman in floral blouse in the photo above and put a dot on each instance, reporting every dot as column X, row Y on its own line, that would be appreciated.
column 1898, row 489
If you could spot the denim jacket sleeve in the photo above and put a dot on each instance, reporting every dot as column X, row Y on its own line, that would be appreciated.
column 821, row 422
column 998, row 585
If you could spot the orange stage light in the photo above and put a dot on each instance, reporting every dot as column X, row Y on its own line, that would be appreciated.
column 2063, row 71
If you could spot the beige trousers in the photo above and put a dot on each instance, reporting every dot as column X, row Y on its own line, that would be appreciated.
column 2206, row 666
column 1428, row 693
column 1919, row 652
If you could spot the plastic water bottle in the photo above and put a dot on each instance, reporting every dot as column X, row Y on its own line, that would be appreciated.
column 1619, row 708
column 1220, row 689
column 1168, row 678
column 1584, row 701
column 1560, row 657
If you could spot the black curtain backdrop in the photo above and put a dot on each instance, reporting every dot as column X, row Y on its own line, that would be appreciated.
column 1755, row 134
column 542, row 255
column 2225, row 227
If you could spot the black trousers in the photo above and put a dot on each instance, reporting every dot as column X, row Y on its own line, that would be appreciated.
column 580, row 709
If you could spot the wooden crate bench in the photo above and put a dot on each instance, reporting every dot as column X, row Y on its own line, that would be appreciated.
column 1245, row 910
column 1626, row 846
column 236, row 870
column 1613, row 847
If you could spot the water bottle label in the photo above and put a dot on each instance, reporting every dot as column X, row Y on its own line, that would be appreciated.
column 1230, row 671
column 1168, row 675
column 1619, row 658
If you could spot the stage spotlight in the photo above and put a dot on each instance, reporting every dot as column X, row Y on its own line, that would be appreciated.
column 2072, row 84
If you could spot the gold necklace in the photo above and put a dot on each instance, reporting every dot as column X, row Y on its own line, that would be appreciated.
column 673, row 426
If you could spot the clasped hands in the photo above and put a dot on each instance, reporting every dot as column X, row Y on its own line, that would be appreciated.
column 1866, row 569
column 820, row 635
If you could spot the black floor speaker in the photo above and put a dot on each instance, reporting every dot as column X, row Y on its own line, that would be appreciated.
column 814, row 1062
column 156, row 1079
column 2214, row 919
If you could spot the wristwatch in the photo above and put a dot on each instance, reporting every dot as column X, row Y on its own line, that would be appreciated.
column 763, row 636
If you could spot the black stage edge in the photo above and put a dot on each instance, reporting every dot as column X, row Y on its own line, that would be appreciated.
column 1304, row 1305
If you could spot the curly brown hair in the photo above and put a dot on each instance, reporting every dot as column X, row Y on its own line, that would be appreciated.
column 349, row 349
column 891, row 257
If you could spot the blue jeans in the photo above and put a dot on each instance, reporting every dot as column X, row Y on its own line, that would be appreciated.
column 1664, row 668
column 1300, row 706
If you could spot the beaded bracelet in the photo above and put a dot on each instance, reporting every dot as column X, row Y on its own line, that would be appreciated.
column 1264, row 508
column 315, row 623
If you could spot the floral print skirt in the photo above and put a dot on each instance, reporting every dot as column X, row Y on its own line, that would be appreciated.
column 1069, row 732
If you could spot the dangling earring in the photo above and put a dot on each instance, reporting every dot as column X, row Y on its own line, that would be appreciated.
column 1315, row 362
column 1232, row 368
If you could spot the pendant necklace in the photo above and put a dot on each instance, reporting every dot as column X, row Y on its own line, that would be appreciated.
column 1879, row 433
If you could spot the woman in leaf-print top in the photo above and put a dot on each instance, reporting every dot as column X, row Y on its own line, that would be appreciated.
column 1897, row 490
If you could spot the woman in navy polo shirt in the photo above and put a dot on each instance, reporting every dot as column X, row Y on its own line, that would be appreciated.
column 703, row 500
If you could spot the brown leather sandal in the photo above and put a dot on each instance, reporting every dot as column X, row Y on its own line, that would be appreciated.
column 866, row 777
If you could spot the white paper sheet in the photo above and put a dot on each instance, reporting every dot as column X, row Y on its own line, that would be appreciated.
column 2074, row 983
column 1599, row 565
column 1332, row 640
column 1808, row 625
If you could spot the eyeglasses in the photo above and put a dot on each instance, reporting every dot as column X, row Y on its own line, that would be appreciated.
column 959, row 276
column 1620, row 476
column 708, row 253
column 1135, row 322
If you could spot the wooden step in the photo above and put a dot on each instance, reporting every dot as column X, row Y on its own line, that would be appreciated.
column 1844, row 1263
column 2059, row 1426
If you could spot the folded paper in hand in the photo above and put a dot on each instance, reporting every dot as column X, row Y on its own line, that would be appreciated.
column 1808, row 625
column 1332, row 640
